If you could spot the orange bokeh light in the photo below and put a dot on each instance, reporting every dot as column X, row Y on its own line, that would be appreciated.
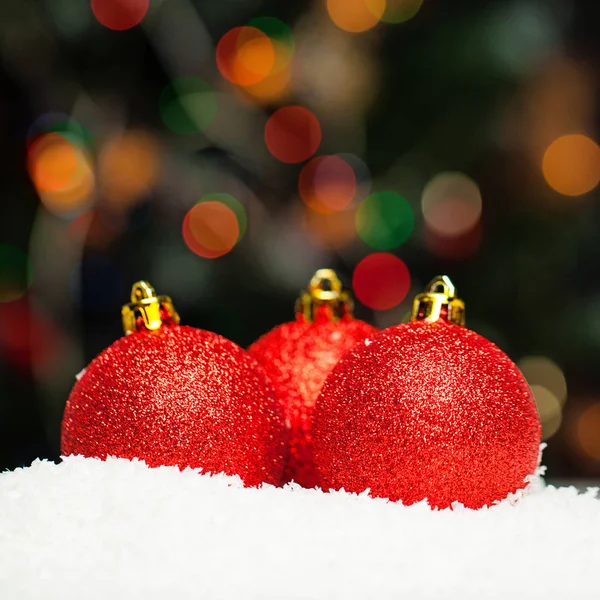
column 245, row 56
column 356, row 15
column 128, row 166
column 210, row 229
column 52, row 162
column 381, row 281
column 273, row 87
column 334, row 230
column 571, row 165
column 61, row 172
column 292, row 134
column 327, row 184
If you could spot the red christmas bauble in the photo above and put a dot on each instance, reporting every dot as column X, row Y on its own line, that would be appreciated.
column 297, row 357
column 178, row 396
column 427, row 410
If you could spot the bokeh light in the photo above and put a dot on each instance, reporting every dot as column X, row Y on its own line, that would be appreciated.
column 587, row 431
column 53, row 162
column 120, row 14
column 361, row 173
column 245, row 55
column 235, row 205
column 188, row 105
column 128, row 167
column 210, row 229
column 549, row 409
column 356, row 15
column 399, row 11
column 451, row 204
column 327, row 184
column 333, row 230
column 459, row 247
column 384, row 220
column 281, row 37
column 274, row 87
column 571, row 165
column 381, row 281
column 275, row 84
column 62, row 173
column 96, row 229
column 15, row 273
column 28, row 338
column 292, row 134
column 543, row 371
column 63, row 124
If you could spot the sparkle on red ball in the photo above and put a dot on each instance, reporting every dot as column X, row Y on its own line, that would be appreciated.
column 427, row 411
column 297, row 357
column 381, row 281
column 120, row 14
column 292, row 134
column 178, row 396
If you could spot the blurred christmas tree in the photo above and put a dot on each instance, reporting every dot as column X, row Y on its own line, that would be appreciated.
column 226, row 150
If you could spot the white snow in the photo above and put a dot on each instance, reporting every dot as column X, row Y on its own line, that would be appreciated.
column 87, row 529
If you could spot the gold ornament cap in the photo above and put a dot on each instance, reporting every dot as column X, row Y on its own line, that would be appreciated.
column 325, row 290
column 440, row 294
column 154, row 310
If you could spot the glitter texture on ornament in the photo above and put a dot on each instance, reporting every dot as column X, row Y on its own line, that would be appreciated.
column 299, row 355
column 427, row 410
column 177, row 395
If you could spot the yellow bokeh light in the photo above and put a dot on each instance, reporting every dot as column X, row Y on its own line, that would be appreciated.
column 571, row 165
column 543, row 371
column 356, row 15
column 549, row 409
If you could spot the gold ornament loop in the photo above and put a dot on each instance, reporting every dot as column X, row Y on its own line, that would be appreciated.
column 440, row 294
column 325, row 290
column 154, row 310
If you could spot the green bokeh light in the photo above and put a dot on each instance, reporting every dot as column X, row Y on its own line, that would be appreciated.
column 188, row 105
column 235, row 205
column 399, row 11
column 274, row 28
column 72, row 131
column 15, row 273
column 62, row 125
column 384, row 220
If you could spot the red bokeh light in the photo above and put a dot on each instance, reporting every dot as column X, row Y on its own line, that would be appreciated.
column 292, row 134
column 455, row 247
column 381, row 281
column 327, row 184
column 120, row 14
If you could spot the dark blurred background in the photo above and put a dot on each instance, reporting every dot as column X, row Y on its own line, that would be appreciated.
column 225, row 150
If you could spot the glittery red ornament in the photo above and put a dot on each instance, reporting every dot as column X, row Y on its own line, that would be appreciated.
column 298, row 356
column 428, row 409
column 175, row 395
